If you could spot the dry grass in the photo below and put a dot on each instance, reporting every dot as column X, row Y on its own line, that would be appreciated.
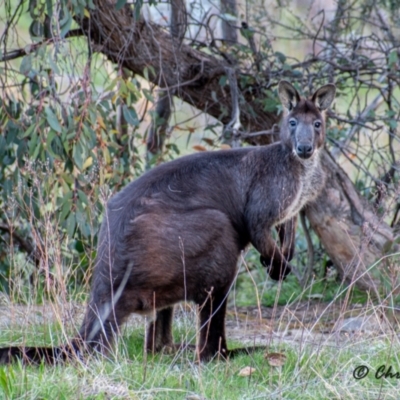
column 323, row 344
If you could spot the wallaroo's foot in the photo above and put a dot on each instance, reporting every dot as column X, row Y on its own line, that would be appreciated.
column 225, row 354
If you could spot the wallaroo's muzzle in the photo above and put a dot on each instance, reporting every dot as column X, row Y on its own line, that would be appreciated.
column 304, row 150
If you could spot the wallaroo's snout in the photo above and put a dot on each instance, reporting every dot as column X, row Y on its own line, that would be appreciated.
column 304, row 150
column 304, row 138
column 303, row 128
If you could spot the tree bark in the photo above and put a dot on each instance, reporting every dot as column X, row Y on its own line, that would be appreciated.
column 159, row 126
column 150, row 51
column 352, row 235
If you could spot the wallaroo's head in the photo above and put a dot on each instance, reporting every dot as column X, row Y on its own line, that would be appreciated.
column 303, row 127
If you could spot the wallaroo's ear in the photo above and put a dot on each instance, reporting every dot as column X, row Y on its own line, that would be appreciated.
column 288, row 95
column 324, row 96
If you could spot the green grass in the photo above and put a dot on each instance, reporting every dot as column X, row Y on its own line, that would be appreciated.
column 319, row 370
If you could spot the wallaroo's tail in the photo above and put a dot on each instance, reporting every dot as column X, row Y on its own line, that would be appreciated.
column 96, row 334
column 97, row 340
column 37, row 355
column 104, row 314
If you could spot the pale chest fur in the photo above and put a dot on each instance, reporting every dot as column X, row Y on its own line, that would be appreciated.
column 310, row 184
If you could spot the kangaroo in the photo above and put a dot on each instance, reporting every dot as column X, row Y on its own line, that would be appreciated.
column 175, row 234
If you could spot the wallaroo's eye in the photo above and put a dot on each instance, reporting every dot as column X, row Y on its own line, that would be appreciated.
column 292, row 122
column 317, row 124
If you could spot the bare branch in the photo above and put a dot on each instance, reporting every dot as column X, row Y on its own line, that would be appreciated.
column 14, row 54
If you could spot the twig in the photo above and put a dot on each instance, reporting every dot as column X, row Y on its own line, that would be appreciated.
column 231, row 129
column 310, row 251
column 351, row 132
column 14, row 54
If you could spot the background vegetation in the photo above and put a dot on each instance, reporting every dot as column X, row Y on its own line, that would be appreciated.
column 74, row 125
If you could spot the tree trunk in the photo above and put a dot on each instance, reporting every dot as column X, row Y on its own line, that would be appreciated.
column 159, row 126
column 229, row 32
column 149, row 50
column 353, row 237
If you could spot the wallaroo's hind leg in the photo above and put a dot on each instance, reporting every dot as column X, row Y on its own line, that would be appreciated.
column 107, row 310
column 212, row 339
column 212, row 332
column 101, row 325
column 159, row 332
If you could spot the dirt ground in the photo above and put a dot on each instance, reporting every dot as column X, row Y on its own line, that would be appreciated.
column 307, row 322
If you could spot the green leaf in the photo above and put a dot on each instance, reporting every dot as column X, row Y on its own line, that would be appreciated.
column 174, row 147
column 52, row 120
column 387, row 247
column 21, row 152
column 8, row 159
column 393, row 58
column 79, row 154
column 34, row 9
column 49, row 6
column 50, row 137
column 53, row 65
column 130, row 115
column 120, row 4
column 32, row 143
column 138, row 7
column 82, row 197
column 133, row 89
column 36, row 151
column 66, row 207
column 50, row 143
column 70, row 225
column 4, row 382
column 65, row 23
column 2, row 146
column 36, row 29
column 149, row 96
column 247, row 33
column 222, row 81
column 26, row 65
column 280, row 56
column 29, row 131
column 393, row 124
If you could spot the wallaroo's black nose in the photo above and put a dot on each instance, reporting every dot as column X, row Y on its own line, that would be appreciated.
column 304, row 150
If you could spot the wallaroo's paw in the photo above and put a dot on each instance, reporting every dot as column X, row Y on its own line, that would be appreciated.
column 277, row 273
